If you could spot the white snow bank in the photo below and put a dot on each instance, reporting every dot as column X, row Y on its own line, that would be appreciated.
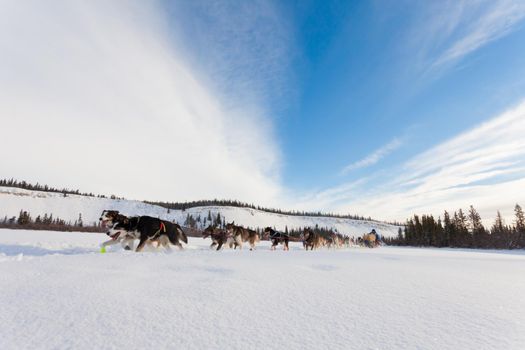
column 58, row 291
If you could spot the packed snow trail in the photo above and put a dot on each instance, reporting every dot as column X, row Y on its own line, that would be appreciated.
column 58, row 291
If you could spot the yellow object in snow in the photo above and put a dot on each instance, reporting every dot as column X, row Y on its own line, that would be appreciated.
column 103, row 249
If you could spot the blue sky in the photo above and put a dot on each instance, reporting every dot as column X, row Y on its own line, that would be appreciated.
column 317, row 105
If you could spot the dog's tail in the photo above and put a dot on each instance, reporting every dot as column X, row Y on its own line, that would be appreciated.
column 182, row 235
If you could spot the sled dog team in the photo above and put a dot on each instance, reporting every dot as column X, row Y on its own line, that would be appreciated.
column 156, row 232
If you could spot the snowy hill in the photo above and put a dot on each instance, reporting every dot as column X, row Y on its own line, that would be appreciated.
column 12, row 200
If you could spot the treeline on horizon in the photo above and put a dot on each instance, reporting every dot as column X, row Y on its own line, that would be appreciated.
column 47, row 222
column 234, row 203
column 185, row 205
column 461, row 230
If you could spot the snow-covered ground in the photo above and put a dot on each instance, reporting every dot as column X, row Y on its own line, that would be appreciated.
column 12, row 200
column 57, row 291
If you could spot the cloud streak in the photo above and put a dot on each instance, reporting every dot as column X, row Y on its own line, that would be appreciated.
column 445, row 33
column 97, row 95
column 374, row 157
column 492, row 22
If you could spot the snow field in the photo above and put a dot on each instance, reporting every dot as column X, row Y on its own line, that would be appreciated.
column 58, row 291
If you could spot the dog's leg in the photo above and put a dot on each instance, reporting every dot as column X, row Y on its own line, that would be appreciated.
column 142, row 242
column 127, row 243
column 111, row 242
column 132, row 244
column 166, row 246
column 172, row 238
column 219, row 246
column 164, row 242
column 239, row 242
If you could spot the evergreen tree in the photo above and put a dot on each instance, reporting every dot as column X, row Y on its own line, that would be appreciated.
column 498, row 232
column 449, row 233
column 463, row 235
column 218, row 221
column 439, row 235
column 23, row 218
column 476, row 227
column 400, row 235
column 519, row 240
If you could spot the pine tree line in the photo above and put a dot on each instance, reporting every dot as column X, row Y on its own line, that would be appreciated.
column 462, row 230
column 234, row 203
column 201, row 223
column 46, row 222
column 45, row 188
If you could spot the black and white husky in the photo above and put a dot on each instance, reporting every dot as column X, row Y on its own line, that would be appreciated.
column 146, row 229
column 277, row 238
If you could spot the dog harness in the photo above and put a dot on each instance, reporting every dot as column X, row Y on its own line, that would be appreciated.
column 161, row 228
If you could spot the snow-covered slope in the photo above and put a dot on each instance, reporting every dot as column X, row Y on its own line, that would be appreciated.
column 58, row 292
column 12, row 200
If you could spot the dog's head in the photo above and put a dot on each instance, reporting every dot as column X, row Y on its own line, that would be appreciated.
column 267, row 232
column 307, row 233
column 108, row 217
column 208, row 231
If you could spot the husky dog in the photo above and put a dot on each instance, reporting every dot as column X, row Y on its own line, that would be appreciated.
column 241, row 234
column 312, row 239
column 329, row 242
column 147, row 229
column 152, row 229
column 277, row 238
column 218, row 237
column 335, row 240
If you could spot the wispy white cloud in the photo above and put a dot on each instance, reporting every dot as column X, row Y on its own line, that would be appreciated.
column 374, row 157
column 484, row 166
column 444, row 33
column 494, row 20
column 100, row 96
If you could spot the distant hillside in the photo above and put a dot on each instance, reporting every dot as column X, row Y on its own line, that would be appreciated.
column 178, row 205
column 68, row 206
